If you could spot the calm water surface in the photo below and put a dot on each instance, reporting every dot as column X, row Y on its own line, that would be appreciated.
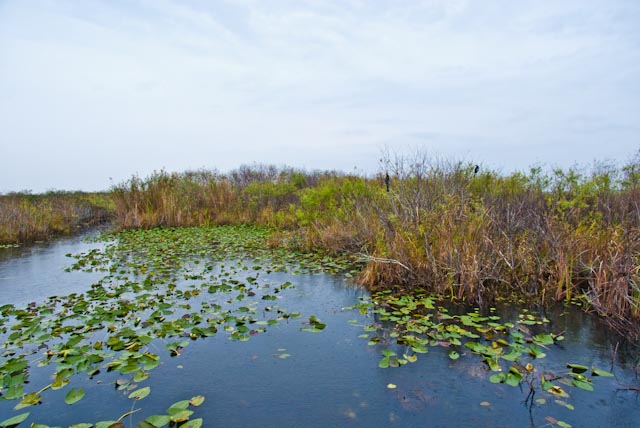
column 330, row 379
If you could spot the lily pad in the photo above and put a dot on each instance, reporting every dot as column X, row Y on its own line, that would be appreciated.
column 158, row 420
column 193, row 423
column 141, row 393
column 74, row 396
column 109, row 424
column 598, row 372
column 14, row 420
column 197, row 400
column 577, row 368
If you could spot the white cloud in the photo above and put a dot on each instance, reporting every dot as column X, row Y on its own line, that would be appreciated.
column 141, row 85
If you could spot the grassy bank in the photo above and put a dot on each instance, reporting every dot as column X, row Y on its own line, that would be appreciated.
column 26, row 217
column 561, row 235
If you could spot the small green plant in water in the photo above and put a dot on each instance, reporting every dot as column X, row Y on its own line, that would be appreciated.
column 409, row 325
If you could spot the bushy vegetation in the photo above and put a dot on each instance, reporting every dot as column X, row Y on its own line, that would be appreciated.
column 25, row 217
column 556, row 235
column 444, row 227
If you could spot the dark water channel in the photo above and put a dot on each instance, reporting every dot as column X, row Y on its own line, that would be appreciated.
column 286, row 377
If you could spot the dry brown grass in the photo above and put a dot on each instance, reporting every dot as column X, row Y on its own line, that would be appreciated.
column 548, row 237
column 25, row 217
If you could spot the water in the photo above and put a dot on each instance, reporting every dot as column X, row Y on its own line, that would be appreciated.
column 36, row 272
column 330, row 378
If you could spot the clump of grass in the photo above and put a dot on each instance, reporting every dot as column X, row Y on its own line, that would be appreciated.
column 26, row 217
column 164, row 199
column 258, row 194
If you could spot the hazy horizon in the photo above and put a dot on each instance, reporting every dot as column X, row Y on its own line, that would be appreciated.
column 92, row 93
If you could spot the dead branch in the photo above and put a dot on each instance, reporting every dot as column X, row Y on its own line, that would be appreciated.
column 369, row 258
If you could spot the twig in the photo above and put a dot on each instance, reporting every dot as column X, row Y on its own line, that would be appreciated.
column 369, row 258
column 629, row 388
column 614, row 354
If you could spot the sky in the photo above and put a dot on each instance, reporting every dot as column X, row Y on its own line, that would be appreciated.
column 94, row 92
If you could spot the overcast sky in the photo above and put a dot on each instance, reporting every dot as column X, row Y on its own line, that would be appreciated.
column 92, row 92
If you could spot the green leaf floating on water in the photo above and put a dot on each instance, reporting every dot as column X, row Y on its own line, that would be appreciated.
column 193, row 423
column 410, row 358
column 514, row 377
column 197, row 400
column 543, row 339
column 577, row 368
column 158, row 420
column 181, row 416
column 388, row 353
column 498, row 378
column 388, row 360
column 536, row 352
column 109, row 424
column 384, row 363
column 141, row 393
column 178, row 406
column 598, row 372
column 565, row 404
column 74, row 396
column 315, row 325
column 493, row 364
column 30, row 399
column 474, row 347
column 582, row 384
column 14, row 420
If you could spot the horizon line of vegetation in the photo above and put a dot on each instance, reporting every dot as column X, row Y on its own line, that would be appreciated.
column 443, row 227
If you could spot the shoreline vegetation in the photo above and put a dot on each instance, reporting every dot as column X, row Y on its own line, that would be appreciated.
column 27, row 217
column 443, row 228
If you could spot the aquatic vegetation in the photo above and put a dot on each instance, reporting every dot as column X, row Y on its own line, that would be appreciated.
column 512, row 351
column 554, row 236
column 162, row 289
column 476, row 236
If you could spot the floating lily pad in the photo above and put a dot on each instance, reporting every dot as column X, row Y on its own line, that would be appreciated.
column 109, row 424
column 74, row 395
column 197, row 400
column 158, row 421
column 598, row 372
column 577, row 368
column 141, row 393
column 193, row 423
column 14, row 420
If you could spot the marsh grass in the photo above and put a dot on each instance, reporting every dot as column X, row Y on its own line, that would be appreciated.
column 26, row 217
column 561, row 235
column 475, row 236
